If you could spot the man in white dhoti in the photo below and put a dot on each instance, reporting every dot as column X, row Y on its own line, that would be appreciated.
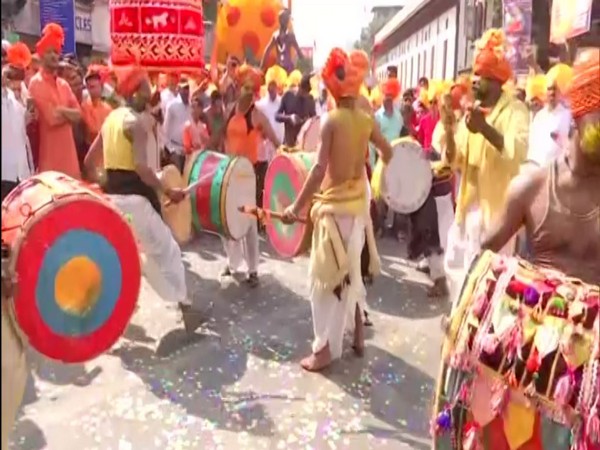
column 491, row 144
column 133, row 186
column 340, row 213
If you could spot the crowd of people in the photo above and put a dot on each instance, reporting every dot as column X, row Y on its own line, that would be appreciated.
column 512, row 163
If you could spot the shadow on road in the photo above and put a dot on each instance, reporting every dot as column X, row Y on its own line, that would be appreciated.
column 27, row 436
column 394, row 392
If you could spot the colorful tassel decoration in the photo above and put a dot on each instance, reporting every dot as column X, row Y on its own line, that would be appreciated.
column 443, row 421
column 500, row 400
column 472, row 437
column 533, row 362
column 592, row 427
column 531, row 297
column 479, row 305
column 490, row 343
column 564, row 388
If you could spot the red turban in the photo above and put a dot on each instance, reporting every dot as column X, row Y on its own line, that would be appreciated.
column 490, row 57
column 584, row 92
column 344, row 74
column 53, row 37
column 249, row 77
column 18, row 55
column 129, row 79
column 391, row 88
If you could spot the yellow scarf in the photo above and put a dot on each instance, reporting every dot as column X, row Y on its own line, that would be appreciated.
column 329, row 263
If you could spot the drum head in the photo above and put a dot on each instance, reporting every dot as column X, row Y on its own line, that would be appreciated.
column 178, row 216
column 79, row 277
column 284, row 179
column 239, row 189
column 407, row 177
column 309, row 136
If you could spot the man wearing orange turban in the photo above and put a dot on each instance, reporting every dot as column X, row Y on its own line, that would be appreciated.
column 57, row 107
column 558, row 204
column 245, row 131
column 134, row 188
column 94, row 109
column 338, row 194
column 491, row 144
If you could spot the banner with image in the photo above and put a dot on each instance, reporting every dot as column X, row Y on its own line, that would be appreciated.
column 517, row 26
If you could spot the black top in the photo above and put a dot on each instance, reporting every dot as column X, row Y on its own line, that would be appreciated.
column 301, row 105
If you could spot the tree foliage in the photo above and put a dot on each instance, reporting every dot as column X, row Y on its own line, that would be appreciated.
column 367, row 34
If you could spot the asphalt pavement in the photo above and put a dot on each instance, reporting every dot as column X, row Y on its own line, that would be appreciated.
column 238, row 384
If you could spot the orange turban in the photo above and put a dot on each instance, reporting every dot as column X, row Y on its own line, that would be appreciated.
column 53, row 37
column 98, row 70
column 129, row 79
column 584, row 92
column 250, row 77
column 343, row 74
column 391, row 88
column 490, row 57
column 18, row 55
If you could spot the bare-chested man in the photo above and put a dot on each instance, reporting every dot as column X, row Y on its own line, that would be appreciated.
column 134, row 188
column 283, row 41
column 560, row 204
column 340, row 213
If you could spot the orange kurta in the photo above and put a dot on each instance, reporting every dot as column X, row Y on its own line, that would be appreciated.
column 239, row 141
column 94, row 112
column 57, row 145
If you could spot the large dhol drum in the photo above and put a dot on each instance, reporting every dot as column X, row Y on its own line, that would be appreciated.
column 74, row 264
column 225, row 184
column 178, row 216
column 406, row 181
column 309, row 136
column 520, row 367
column 284, row 178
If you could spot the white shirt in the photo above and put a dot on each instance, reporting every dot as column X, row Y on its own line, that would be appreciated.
column 16, row 156
column 321, row 108
column 177, row 115
column 543, row 148
column 269, row 109
column 166, row 97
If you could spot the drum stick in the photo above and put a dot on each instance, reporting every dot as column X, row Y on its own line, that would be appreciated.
column 262, row 214
column 192, row 187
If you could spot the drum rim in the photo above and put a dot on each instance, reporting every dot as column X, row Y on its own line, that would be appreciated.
column 223, row 199
column 185, row 236
column 427, row 174
column 296, row 161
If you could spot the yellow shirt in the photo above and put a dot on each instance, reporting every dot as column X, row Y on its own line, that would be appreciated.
column 118, row 148
column 485, row 171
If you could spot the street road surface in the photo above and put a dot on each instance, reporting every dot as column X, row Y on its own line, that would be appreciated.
column 238, row 384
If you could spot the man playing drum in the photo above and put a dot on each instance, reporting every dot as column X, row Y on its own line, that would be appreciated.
column 560, row 204
column 133, row 186
column 244, row 132
column 340, row 213
column 491, row 144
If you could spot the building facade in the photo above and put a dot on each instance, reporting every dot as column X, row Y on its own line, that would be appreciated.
column 419, row 41
column 92, row 26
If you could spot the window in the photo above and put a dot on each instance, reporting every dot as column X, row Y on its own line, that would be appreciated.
column 419, row 73
column 412, row 61
column 444, row 60
column 432, row 62
column 424, row 63
column 447, row 22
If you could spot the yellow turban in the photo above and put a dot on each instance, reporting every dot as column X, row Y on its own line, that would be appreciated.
column 276, row 74
column 536, row 87
column 294, row 78
column 561, row 75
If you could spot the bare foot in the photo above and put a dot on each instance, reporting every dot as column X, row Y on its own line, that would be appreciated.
column 317, row 361
column 359, row 334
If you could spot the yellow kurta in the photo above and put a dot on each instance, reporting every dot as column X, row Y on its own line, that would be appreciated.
column 485, row 171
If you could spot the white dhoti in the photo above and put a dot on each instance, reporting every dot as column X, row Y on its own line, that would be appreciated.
column 163, row 266
column 14, row 374
column 464, row 245
column 332, row 316
column 243, row 250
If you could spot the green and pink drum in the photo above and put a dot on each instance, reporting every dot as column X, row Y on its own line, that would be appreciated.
column 224, row 184
column 284, row 179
